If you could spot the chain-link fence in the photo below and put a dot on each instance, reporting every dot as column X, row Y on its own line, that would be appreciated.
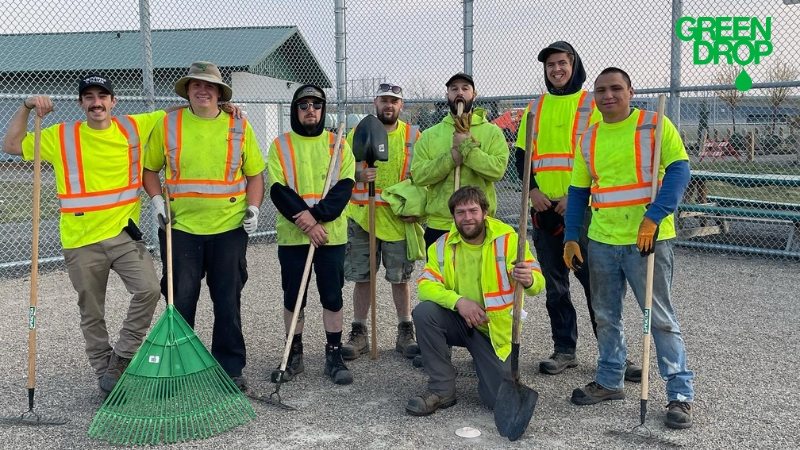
column 745, row 193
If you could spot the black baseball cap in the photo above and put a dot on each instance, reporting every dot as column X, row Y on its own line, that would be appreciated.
column 461, row 76
column 555, row 47
column 94, row 79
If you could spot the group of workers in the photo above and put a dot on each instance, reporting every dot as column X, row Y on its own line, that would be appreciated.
column 592, row 166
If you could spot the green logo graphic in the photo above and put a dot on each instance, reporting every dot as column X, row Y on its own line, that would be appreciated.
column 735, row 40
column 646, row 327
column 32, row 318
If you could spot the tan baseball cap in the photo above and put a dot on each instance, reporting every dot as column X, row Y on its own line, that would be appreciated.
column 206, row 71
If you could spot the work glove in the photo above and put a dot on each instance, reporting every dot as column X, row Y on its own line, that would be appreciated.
column 462, row 122
column 647, row 237
column 250, row 222
column 572, row 255
column 159, row 211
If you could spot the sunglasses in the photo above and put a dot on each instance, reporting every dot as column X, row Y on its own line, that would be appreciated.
column 304, row 105
column 386, row 87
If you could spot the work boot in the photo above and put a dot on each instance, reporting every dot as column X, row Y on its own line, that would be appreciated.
column 427, row 403
column 557, row 363
column 417, row 361
column 334, row 365
column 679, row 415
column 293, row 367
column 241, row 383
column 595, row 392
column 357, row 344
column 405, row 343
column 633, row 372
column 116, row 367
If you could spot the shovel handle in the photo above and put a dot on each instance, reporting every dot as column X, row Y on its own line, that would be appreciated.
column 457, row 174
column 373, row 275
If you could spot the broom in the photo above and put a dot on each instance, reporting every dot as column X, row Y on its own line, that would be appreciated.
column 173, row 390
column 30, row 417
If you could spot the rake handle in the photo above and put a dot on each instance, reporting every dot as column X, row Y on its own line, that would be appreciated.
column 457, row 174
column 309, row 259
column 651, row 261
column 37, row 189
column 168, row 232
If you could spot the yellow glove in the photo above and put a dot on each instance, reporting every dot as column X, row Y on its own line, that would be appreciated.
column 646, row 239
column 572, row 255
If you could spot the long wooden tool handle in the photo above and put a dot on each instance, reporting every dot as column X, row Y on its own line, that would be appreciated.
column 310, row 258
column 37, row 189
column 168, row 232
column 373, row 282
column 457, row 174
column 651, row 258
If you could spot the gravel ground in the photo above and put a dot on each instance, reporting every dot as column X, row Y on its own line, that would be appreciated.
column 737, row 316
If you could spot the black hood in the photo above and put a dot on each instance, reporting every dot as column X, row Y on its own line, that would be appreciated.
column 578, row 77
column 307, row 90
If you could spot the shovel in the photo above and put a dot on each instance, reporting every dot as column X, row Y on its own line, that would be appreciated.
column 30, row 417
column 370, row 144
column 515, row 402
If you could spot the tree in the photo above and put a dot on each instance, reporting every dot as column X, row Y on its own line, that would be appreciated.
column 780, row 71
column 730, row 97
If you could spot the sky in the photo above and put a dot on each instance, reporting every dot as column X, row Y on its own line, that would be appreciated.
column 419, row 43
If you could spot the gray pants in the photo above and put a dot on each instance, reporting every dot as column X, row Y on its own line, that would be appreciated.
column 89, row 267
column 437, row 328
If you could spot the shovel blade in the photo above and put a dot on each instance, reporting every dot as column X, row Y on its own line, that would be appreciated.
column 513, row 408
column 370, row 141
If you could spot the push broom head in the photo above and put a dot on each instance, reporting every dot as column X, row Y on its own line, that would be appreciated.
column 172, row 391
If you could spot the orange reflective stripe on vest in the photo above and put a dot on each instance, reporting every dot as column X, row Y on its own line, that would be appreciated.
column 560, row 161
column 285, row 150
column 637, row 193
column 361, row 190
column 231, row 186
column 76, row 199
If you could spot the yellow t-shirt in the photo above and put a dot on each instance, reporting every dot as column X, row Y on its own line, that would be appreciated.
column 469, row 260
column 204, row 151
column 555, row 136
column 615, row 166
column 388, row 227
column 312, row 156
column 106, row 165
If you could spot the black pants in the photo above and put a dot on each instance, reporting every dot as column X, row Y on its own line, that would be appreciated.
column 221, row 259
column 550, row 255
column 328, row 265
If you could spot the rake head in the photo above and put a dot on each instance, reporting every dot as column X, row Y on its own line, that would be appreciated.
column 30, row 417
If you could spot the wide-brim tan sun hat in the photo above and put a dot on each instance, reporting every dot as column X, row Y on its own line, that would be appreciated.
column 206, row 71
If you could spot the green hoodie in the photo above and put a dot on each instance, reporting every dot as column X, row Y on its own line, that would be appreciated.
column 484, row 162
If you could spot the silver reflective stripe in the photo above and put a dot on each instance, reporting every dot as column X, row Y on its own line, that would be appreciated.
column 586, row 149
column 646, row 132
column 642, row 194
column 133, row 146
column 499, row 299
column 440, row 252
column 286, row 155
column 99, row 201
column 583, row 115
column 412, row 139
column 535, row 110
column 71, row 156
column 171, row 121
column 236, row 137
column 547, row 163
column 427, row 276
column 212, row 189
column 364, row 197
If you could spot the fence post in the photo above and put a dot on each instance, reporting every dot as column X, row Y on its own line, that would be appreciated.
column 752, row 146
column 468, row 36
column 341, row 61
column 674, row 101
column 148, row 87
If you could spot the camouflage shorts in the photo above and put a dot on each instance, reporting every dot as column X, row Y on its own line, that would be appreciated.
column 356, row 260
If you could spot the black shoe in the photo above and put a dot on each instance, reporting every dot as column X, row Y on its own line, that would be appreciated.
column 116, row 367
column 241, row 383
column 335, row 367
column 293, row 367
column 406, row 344
column 679, row 415
column 427, row 403
column 595, row 392
column 633, row 372
column 557, row 363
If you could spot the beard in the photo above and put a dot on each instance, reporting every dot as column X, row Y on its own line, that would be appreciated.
column 391, row 120
column 454, row 105
column 478, row 229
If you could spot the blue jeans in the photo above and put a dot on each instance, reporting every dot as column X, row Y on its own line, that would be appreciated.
column 611, row 267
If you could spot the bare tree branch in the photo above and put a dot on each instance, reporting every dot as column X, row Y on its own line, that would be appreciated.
column 731, row 97
column 780, row 71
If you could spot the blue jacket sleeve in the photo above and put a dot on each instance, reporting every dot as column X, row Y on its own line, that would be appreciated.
column 676, row 178
column 573, row 217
